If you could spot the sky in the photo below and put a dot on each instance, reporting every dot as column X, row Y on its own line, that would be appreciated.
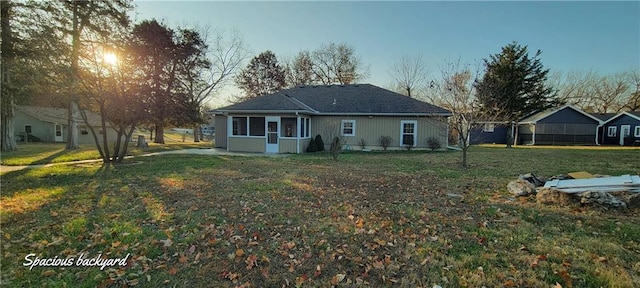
column 573, row 36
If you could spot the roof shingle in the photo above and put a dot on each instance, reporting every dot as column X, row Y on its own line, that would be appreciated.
column 358, row 99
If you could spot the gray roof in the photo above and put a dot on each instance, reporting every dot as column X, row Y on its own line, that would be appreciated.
column 534, row 118
column 56, row 115
column 632, row 114
column 603, row 116
column 353, row 99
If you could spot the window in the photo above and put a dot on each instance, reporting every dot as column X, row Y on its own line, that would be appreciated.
column 239, row 126
column 256, row 126
column 27, row 129
column 636, row 133
column 58, row 130
column 408, row 133
column 489, row 127
column 289, row 127
column 348, row 127
column 304, row 127
column 308, row 130
column 611, row 131
column 83, row 130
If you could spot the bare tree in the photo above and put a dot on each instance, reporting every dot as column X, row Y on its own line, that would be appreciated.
column 633, row 101
column 410, row 74
column 225, row 55
column 455, row 91
column 596, row 93
column 337, row 63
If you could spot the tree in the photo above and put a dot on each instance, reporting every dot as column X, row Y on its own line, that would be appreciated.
column 300, row 71
column 165, row 58
column 410, row 74
column 596, row 93
column 515, row 83
column 337, row 64
column 7, row 139
column 263, row 75
column 633, row 102
column 208, row 73
column 455, row 91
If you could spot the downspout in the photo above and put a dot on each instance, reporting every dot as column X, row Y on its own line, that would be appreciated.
column 598, row 136
column 533, row 135
column 298, row 133
column 229, row 128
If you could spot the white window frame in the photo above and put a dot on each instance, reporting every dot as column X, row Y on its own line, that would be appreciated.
column 415, row 132
column 489, row 127
column 611, row 131
column 353, row 127
column 636, row 132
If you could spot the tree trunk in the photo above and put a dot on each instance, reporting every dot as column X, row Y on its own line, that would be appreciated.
column 7, row 138
column 159, row 134
column 72, row 128
column 464, row 157
column 72, row 133
column 197, row 132
column 509, row 138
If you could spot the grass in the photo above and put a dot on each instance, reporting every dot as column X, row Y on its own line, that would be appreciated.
column 374, row 219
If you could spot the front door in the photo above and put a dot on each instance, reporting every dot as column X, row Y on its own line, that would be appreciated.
column 273, row 126
column 625, row 131
column 58, row 135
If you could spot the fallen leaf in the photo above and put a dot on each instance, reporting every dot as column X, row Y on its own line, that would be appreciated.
column 173, row 270
column 54, row 214
column 48, row 273
column 183, row 259
column 318, row 271
column 167, row 242
column 192, row 249
column 239, row 253
column 337, row 279
column 115, row 244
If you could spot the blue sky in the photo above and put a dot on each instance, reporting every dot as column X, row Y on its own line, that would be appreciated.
column 599, row 36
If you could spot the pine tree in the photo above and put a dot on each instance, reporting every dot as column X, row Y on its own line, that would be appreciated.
column 514, row 84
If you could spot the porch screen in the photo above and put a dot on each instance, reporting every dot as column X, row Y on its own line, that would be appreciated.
column 289, row 127
column 240, row 126
column 256, row 126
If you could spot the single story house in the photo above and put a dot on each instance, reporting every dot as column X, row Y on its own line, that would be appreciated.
column 51, row 124
column 622, row 129
column 567, row 125
column 286, row 121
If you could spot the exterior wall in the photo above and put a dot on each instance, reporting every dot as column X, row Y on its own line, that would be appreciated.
column 498, row 136
column 288, row 146
column 567, row 115
column 46, row 130
column 221, row 131
column 619, row 121
column 372, row 128
column 247, row 144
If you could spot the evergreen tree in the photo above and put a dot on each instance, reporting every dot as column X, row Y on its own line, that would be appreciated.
column 514, row 84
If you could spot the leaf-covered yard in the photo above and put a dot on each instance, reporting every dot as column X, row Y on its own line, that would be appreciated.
column 403, row 219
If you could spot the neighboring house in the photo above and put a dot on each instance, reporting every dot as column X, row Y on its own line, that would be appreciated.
column 490, row 132
column 286, row 121
column 51, row 124
column 622, row 129
column 566, row 125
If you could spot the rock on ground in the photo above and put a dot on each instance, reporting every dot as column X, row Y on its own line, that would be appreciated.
column 553, row 196
column 601, row 198
column 521, row 187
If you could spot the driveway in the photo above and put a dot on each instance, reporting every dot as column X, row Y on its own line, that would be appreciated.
column 209, row 151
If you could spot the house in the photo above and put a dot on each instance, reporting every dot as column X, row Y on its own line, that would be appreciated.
column 567, row 125
column 49, row 124
column 622, row 129
column 286, row 121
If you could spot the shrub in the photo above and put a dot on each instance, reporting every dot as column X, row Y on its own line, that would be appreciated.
column 362, row 143
column 319, row 143
column 312, row 147
column 385, row 142
column 434, row 143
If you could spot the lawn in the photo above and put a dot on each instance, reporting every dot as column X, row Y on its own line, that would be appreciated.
column 399, row 219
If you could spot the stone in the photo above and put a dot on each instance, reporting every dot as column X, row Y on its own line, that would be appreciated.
column 633, row 201
column 601, row 198
column 521, row 187
column 552, row 196
column 533, row 179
